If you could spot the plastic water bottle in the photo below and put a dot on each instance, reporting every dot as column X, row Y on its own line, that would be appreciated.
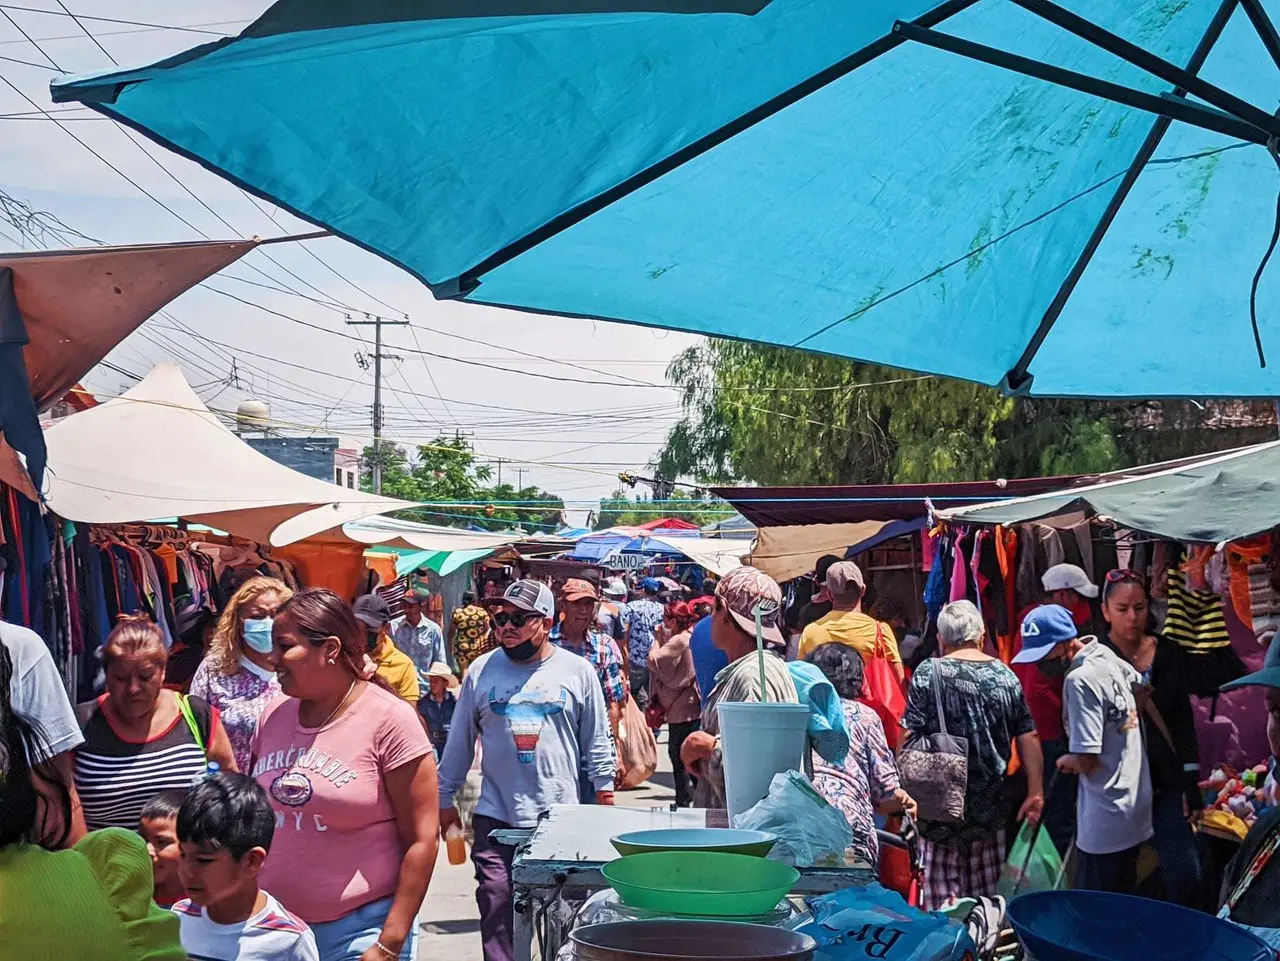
column 211, row 769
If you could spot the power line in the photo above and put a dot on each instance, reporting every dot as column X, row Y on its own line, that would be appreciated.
column 96, row 42
column 130, row 23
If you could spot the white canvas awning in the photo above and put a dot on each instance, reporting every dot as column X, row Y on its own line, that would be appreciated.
column 394, row 532
column 717, row 555
column 157, row 451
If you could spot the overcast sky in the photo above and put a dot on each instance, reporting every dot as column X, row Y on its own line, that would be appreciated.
column 309, row 378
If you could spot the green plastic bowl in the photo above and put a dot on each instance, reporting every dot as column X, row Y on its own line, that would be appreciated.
column 724, row 840
column 701, row 884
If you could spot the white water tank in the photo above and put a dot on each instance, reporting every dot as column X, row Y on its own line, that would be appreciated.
column 253, row 417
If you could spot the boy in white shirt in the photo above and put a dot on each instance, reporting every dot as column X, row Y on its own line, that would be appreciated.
column 225, row 828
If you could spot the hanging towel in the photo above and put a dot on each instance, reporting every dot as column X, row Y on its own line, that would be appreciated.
column 827, row 731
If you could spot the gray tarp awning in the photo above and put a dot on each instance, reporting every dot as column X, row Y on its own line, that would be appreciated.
column 1219, row 498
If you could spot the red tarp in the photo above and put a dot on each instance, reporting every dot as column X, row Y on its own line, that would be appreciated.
column 667, row 524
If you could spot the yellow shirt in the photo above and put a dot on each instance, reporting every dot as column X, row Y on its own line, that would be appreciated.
column 396, row 669
column 853, row 628
column 91, row 902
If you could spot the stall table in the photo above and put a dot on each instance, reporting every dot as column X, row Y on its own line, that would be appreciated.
column 567, row 848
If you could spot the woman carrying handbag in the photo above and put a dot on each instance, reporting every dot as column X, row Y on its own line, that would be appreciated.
column 966, row 702
column 673, row 694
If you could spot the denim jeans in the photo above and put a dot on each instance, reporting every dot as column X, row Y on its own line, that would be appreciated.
column 351, row 935
column 640, row 685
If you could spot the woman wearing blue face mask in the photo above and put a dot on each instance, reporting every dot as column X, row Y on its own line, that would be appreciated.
column 237, row 675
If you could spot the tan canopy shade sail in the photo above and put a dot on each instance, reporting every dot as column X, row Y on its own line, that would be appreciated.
column 79, row 304
column 787, row 552
column 157, row 451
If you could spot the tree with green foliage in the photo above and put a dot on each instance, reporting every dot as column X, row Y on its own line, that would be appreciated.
column 621, row 510
column 445, row 473
column 778, row 416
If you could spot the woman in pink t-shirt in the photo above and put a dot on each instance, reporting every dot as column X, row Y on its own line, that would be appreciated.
column 352, row 778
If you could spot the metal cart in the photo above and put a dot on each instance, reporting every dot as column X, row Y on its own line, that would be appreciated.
column 557, row 865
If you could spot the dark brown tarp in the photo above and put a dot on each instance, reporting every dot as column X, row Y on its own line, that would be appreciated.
column 79, row 304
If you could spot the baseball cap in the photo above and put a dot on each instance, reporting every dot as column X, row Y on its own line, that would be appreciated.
column 1068, row 577
column 741, row 590
column 575, row 589
column 842, row 576
column 533, row 596
column 1043, row 629
column 651, row 585
column 615, row 588
column 372, row 611
column 1269, row 676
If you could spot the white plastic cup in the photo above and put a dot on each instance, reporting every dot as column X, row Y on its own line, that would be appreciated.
column 758, row 741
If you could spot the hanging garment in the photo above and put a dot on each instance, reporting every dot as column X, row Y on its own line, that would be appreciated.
column 979, row 582
column 1084, row 541
column 1215, row 573
column 1006, row 546
column 936, row 585
column 1253, row 598
column 1196, row 621
column 19, row 419
column 959, row 571
column 1193, row 566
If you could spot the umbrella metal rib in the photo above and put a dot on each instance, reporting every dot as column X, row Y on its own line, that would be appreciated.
column 459, row 287
column 1018, row 380
column 1157, row 66
column 1207, row 118
column 1265, row 28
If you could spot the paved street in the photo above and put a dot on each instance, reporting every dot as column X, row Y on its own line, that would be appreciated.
column 450, row 923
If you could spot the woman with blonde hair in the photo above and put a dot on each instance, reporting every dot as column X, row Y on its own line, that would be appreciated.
column 139, row 738
column 236, row 675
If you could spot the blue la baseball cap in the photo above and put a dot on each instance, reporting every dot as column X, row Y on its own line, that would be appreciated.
column 1043, row 629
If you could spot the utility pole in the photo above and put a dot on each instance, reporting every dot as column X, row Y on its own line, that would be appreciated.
column 520, row 471
column 378, row 356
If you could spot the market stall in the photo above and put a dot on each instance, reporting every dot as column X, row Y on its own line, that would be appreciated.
column 98, row 546
column 1203, row 532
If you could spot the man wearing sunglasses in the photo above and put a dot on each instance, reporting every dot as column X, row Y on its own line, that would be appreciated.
column 540, row 714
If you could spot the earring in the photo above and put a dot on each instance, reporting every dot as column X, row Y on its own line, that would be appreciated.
column 332, row 661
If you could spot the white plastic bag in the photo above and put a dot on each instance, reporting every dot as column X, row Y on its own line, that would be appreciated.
column 872, row 922
column 809, row 829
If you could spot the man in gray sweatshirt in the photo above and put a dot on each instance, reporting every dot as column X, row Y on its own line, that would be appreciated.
column 538, row 710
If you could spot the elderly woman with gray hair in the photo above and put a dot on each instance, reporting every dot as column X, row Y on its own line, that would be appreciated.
column 982, row 701
column 867, row 781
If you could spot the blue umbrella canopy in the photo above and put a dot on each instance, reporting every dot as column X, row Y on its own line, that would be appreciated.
column 1006, row 191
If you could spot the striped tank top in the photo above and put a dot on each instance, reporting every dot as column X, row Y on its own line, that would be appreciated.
column 116, row 777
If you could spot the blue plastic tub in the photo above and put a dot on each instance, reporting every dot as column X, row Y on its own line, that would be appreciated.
column 1091, row 926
